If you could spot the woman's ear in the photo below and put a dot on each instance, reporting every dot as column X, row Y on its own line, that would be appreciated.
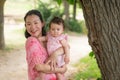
column 25, row 25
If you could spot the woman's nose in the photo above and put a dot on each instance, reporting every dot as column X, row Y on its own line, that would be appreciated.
column 32, row 26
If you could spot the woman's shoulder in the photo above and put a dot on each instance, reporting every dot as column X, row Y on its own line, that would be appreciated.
column 31, row 40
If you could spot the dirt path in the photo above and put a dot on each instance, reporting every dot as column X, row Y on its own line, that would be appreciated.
column 13, row 65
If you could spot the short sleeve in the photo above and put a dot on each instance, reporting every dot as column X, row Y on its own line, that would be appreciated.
column 63, row 37
column 35, row 52
column 66, row 37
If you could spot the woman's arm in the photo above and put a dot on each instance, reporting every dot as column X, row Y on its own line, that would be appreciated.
column 45, row 68
column 53, row 57
column 63, row 69
column 33, row 55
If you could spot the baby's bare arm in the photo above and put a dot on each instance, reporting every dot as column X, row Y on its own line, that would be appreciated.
column 66, row 50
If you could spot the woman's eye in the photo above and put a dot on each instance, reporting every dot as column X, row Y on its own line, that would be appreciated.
column 28, row 24
column 36, row 22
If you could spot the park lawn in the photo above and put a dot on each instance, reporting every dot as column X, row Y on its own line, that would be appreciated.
column 87, row 69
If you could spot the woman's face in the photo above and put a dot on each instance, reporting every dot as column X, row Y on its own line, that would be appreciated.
column 34, row 25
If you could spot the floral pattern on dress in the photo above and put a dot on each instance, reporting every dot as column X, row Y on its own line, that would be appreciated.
column 36, row 54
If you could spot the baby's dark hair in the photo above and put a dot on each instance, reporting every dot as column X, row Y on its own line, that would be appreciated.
column 34, row 12
column 57, row 20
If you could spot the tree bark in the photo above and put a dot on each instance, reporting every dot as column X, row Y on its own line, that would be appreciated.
column 2, row 42
column 66, row 9
column 74, row 9
column 102, row 19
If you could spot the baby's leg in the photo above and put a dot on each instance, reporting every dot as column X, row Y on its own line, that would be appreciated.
column 60, row 76
column 41, row 76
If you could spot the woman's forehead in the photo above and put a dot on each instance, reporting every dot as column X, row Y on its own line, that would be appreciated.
column 32, row 18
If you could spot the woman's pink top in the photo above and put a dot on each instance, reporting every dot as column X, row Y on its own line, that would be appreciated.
column 53, row 43
column 36, row 54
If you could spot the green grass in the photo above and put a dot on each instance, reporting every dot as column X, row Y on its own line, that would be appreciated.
column 87, row 69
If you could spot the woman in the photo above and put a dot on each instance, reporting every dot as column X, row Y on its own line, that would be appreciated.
column 37, row 57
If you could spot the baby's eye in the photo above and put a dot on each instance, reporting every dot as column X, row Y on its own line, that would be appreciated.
column 35, row 23
column 53, row 29
column 58, row 29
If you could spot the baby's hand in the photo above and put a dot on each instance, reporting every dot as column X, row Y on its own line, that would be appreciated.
column 67, row 59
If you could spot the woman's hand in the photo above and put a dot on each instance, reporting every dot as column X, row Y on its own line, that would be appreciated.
column 53, row 61
column 53, row 57
column 62, row 69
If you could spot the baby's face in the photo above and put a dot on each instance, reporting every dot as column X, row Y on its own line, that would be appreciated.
column 56, row 29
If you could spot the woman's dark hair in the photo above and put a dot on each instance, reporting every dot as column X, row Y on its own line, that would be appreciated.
column 35, row 12
column 57, row 20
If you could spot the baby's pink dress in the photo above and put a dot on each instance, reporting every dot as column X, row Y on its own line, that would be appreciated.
column 53, row 43
column 36, row 54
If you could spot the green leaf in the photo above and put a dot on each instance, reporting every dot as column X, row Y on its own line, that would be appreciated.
column 59, row 1
column 91, row 54
column 71, row 1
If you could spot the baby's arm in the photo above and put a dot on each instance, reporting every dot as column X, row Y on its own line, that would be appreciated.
column 66, row 50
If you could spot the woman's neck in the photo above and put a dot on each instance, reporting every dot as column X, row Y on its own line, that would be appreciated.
column 42, row 40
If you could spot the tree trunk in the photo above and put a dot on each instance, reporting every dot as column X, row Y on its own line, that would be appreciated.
column 102, row 19
column 74, row 9
column 2, row 42
column 66, row 9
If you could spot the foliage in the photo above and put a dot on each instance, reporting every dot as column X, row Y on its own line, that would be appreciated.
column 74, row 25
column 84, row 29
column 69, row 1
column 91, row 54
column 85, row 67
column 54, row 10
column 60, row 1
column 49, row 12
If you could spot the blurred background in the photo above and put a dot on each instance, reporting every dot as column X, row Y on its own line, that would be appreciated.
column 12, row 58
